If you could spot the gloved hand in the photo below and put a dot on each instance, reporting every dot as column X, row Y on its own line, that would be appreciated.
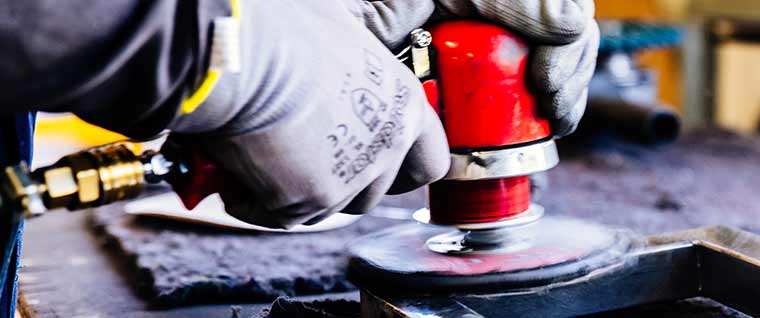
column 563, row 33
column 322, row 118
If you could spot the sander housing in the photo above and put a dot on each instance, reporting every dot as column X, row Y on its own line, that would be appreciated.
column 477, row 85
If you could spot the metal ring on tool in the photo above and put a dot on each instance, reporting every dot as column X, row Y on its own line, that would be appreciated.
column 459, row 242
column 505, row 163
column 533, row 214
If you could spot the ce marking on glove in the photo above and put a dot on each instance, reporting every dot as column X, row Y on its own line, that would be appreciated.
column 342, row 132
column 354, row 153
column 368, row 107
column 344, row 145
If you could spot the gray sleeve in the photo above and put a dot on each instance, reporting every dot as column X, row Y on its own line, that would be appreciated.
column 121, row 64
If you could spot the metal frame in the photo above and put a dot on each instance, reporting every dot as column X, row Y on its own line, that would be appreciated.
column 504, row 163
column 534, row 213
column 718, row 263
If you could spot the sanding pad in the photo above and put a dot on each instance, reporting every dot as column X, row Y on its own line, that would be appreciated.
column 549, row 251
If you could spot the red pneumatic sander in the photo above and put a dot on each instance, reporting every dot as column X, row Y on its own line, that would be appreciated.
column 482, row 233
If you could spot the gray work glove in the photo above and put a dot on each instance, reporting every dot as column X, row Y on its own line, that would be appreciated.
column 564, row 34
column 322, row 118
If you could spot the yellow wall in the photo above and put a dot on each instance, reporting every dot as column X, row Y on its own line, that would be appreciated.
column 58, row 135
column 737, row 102
column 642, row 9
column 667, row 64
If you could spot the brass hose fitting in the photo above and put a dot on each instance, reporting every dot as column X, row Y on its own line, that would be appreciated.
column 93, row 177
column 90, row 178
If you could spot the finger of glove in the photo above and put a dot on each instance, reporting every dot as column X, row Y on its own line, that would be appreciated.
column 568, row 123
column 428, row 160
column 553, row 66
column 318, row 219
column 327, row 213
column 562, row 74
column 393, row 20
column 547, row 22
column 371, row 195
column 252, row 202
column 241, row 206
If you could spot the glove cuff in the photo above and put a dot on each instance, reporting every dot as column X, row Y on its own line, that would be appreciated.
column 208, row 117
column 219, row 87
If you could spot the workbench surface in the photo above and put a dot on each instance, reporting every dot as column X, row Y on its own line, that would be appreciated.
column 708, row 178
column 67, row 272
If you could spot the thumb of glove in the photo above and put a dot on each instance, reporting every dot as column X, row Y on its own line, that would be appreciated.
column 545, row 22
column 392, row 20
column 423, row 162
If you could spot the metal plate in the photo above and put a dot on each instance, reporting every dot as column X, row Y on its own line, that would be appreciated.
column 550, row 250
column 505, row 163
column 719, row 263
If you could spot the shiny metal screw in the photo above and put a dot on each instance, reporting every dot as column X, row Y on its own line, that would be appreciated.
column 421, row 38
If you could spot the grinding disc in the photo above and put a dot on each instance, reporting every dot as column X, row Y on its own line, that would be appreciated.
column 548, row 251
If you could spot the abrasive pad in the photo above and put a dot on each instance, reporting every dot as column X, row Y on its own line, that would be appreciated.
column 180, row 263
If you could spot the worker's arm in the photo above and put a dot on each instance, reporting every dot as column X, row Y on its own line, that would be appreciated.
column 321, row 117
column 563, row 32
column 122, row 64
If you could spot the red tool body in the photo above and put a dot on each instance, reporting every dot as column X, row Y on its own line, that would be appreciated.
column 485, row 100
column 485, row 104
column 479, row 90
column 493, row 239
